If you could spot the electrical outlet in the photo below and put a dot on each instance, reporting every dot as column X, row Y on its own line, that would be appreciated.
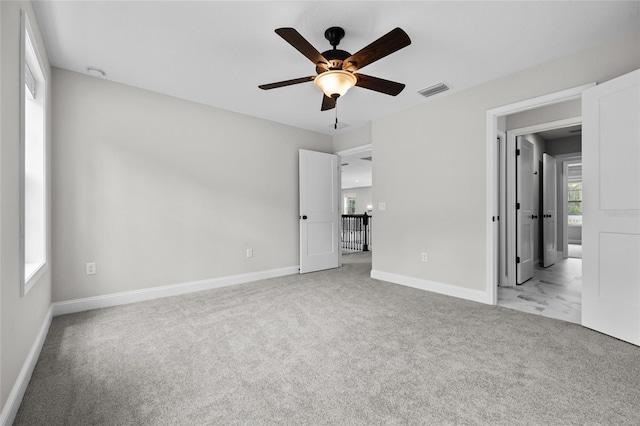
column 249, row 252
column 424, row 256
column 91, row 268
column 382, row 205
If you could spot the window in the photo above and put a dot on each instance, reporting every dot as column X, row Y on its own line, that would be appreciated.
column 574, row 208
column 349, row 204
column 33, row 160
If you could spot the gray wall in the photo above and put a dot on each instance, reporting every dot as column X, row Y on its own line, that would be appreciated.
column 574, row 234
column 21, row 318
column 430, row 167
column 158, row 191
column 363, row 198
column 555, row 112
column 570, row 145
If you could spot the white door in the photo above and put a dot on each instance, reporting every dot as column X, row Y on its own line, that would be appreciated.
column 524, row 210
column 549, row 211
column 611, row 208
column 319, row 211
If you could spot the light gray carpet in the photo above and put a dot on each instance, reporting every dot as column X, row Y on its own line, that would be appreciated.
column 332, row 347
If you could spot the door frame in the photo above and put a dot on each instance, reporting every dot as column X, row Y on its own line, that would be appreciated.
column 511, row 231
column 355, row 150
column 564, row 161
column 490, row 161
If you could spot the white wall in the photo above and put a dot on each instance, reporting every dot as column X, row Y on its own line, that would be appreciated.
column 352, row 138
column 430, row 168
column 158, row 190
column 21, row 317
column 363, row 198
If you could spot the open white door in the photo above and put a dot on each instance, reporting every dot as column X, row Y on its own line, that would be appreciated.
column 524, row 210
column 549, row 211
column 611, row 207
column 319, row 211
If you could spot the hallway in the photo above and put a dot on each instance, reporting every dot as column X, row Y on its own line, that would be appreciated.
column 554, row 292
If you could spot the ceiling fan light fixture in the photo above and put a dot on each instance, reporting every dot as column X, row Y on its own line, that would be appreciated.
column 335, row 83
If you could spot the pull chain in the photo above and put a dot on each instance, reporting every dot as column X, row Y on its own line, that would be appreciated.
column 335, row 126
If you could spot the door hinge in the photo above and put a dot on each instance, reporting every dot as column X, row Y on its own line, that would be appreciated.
column 517, row 152
column 517, row 260
column 517, row 206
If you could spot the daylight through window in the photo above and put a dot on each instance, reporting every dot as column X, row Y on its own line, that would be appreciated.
column 34, row 173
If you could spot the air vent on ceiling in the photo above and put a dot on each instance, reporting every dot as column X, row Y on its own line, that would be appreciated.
column 575, row 131
column 434, row 89
column 366, row 158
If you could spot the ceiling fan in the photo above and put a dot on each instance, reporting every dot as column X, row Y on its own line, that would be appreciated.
column 336, row 68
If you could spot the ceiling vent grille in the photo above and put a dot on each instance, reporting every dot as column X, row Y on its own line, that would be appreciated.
column 435, row 89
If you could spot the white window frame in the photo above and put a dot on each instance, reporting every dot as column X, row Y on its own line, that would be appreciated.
column 345, row 203
column 29, row 51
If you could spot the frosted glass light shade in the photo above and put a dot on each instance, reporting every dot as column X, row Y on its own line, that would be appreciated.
column 335, row 82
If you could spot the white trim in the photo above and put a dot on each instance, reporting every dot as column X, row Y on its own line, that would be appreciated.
column 29, row 42
column 491, row 135
column 85, row 304
column 10, row 409
column 355, row 150
column 435, row 287
column 502, row 211
column 550, row 125
column 540, row 101
column 565, row 160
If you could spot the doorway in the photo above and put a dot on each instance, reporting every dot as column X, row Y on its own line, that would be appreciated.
column 492, row 194
column 357, row 205
column 553, row 287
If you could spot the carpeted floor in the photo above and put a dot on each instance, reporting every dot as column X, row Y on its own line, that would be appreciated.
column 332, row 347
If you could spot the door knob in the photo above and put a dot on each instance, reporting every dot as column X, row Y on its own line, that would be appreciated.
column 304, row 217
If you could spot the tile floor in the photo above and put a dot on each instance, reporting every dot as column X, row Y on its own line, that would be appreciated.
column 554, row 292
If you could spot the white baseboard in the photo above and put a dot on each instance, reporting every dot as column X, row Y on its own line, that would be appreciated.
column 86, row 304
column 10, row 409
column 436, row 287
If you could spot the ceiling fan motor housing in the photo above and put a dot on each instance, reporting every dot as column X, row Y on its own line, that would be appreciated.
column 335, row 56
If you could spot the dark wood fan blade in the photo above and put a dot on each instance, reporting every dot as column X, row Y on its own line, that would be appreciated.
column 294, row 38
column 286, row 82
column 379, row 85
column 327, row 103
column 391, row 42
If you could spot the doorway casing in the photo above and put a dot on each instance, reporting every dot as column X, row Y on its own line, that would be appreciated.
column 492, row 195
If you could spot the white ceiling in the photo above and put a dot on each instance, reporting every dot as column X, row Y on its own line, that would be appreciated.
column 218, row 52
